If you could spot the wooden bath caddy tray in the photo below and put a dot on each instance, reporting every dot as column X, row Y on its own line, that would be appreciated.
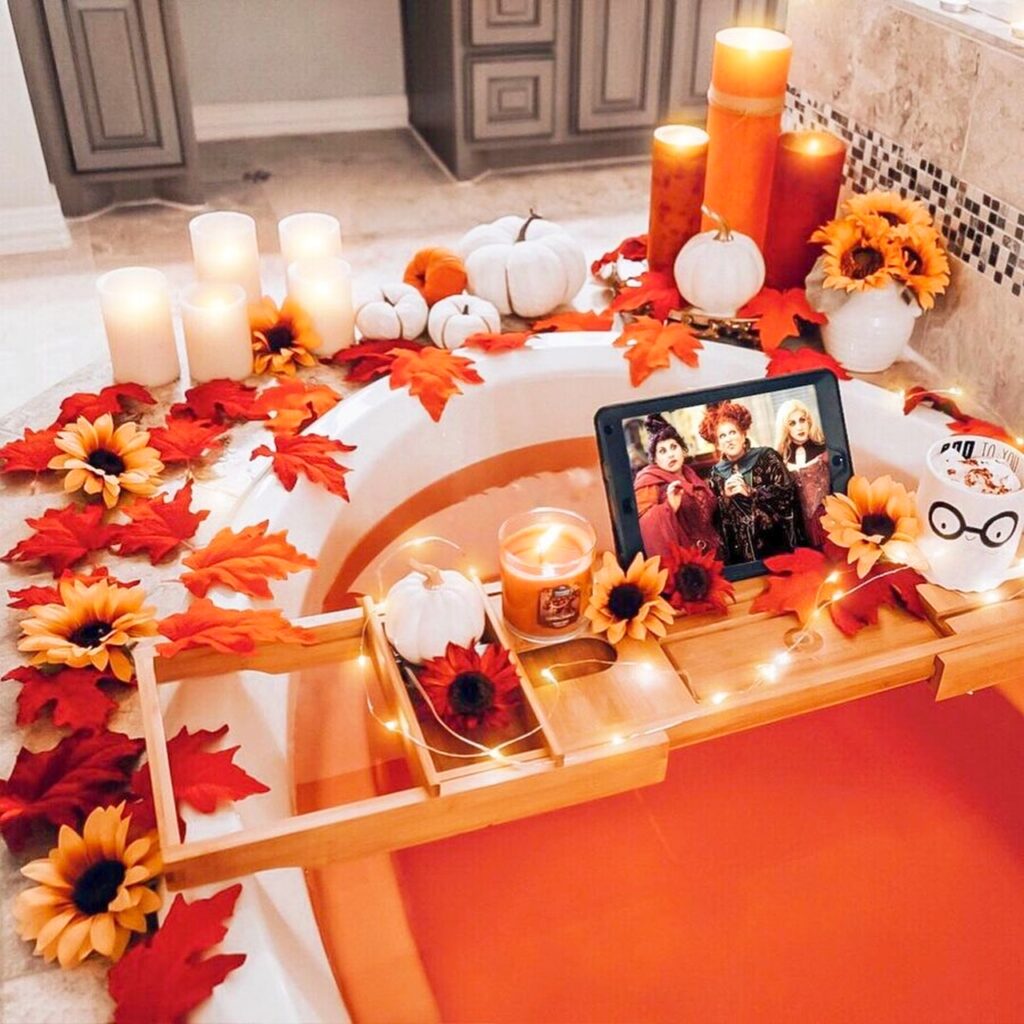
column 599, row 730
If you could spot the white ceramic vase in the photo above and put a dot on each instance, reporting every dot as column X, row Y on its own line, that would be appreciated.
column 871, row 330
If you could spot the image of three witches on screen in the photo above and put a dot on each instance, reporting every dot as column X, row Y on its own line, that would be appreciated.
column 755, row 502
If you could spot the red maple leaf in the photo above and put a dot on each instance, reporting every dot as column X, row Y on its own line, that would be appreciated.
column 970, row 425
column 62, row 537
column 632, row 248
column 62, row 785
column 31, row 453
column 158, row 525
column 649, row 344
column 433, row 376
column 777, row 313
column 78, row 702
column 228, row 630
column 313, row 456
column 495, row 343
column 166, row 976
column 784, row 361
column 113, row 399
column 893, row 586
column 656, row 294
column 371, row 359
column 184, row 441
column 574, row 321
column 917, row 395
column 28, row 596
column 797, row 584
column 293, row 404
column 217, row 400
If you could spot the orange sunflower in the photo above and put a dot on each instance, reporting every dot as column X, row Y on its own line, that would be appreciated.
column 470, row 689
column 874, row 519
column 100, row 459
column 859, row 253
column 893, row 208
column 630, row 602
column 282, row 339
column 923, row 264
column 695, row 581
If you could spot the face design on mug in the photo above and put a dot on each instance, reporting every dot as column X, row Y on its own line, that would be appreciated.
column 948, row 523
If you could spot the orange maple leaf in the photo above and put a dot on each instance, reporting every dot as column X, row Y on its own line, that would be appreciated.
column 228, row 630
column 884, row 585
column 777, row 312
column 656, row 293
column 494, row 343
column 917, row 395
column 649, row 344
column 157, row 525
column 183, row 440
column 784, row 361
column 797, row 584
column 575, row 321
column 63, row 536
column 244, row 561
column 431, row 374
column 312, row 455
column 293, row 405
column 30, row 453
column 970, row 425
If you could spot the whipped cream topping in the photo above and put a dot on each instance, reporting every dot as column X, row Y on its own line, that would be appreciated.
column 988, row 476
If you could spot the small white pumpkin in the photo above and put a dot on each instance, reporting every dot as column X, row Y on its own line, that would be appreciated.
column 431, row 608
column 719, row 270
column 526, row 266
column 392, row 311
column 458, row 317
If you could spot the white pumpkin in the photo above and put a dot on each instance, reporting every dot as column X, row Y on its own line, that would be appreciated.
column 527, row 266
column 719, row 270
column 431, row 608
column 392, row 311
column 458, row 317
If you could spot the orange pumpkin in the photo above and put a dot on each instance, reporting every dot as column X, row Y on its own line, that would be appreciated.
column 437, row 273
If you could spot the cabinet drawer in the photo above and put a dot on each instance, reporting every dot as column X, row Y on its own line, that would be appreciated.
column 511, row 98
column 508, row 22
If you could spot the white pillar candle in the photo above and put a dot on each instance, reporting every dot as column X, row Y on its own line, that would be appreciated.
column 308, row 236
column 217, row 336
column 323, row 288
column 136, row 307
column 224, row 250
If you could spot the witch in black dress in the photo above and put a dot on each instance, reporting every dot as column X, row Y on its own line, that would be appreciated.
column 757, row 498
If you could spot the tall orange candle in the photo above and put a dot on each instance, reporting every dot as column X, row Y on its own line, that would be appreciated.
column 679, row 155
column 748, row 89
column 805, row 191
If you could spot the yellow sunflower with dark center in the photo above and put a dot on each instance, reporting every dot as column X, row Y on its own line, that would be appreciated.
column 695, row 582
column 874, row 519
column 93, row 890
column 893, row 208
column 471, row 689
column 282, row 339
column 101, row 459
column 630, row 602
column 923, row 264
column 859, row 253
column 94, row 624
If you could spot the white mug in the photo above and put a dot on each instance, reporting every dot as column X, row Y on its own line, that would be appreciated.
column 969, row 537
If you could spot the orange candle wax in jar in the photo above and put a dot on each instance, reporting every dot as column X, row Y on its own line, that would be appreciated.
column 748, row 90
column 805, row 192
column 545, row 555
column 679, row 154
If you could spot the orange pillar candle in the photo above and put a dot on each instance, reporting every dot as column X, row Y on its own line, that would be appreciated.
column 805, row 191
column 679, row 155
column 545, row 556
column 745, row 101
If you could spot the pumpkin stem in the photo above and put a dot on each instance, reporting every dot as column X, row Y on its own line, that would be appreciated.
column 723, row 233
column 431, row 572
column 521, row 237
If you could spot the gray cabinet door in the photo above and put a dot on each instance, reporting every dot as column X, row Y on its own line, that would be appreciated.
column 620, row 48
column 115, row 82
column 511, row 98
column 511, row 22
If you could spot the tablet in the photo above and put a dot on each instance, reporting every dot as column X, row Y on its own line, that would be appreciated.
column 740, row 470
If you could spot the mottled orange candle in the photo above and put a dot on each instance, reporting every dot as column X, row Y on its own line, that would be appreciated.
column 745, row 101
column 805, row 191
column 679, row 155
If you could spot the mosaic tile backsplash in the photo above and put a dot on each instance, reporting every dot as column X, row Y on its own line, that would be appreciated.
column 983, row 231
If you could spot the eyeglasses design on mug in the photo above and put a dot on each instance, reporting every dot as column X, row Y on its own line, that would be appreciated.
column 948, row 523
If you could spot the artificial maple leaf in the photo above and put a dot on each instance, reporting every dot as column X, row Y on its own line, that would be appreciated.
column 649, row 344
column 293, row 405
column 432, row 375
column 228, row 630
column 371, row 359
column 785, row 361
column 656, row 294
column 495, row 343
column 312, row 455
column 31, row 453
column 917, row 395
column 166, row 976
column 62, row 537
column 113, row 399
column 218, row 400
column 184, row 441
column 970, row 425
column 574, row 321
column 895, row 587
column 244, row 561
column 158, row 525
column 62, row 785
column 29, row 596
column 78, row 702
column 632, row 248
column 777, row 312
column 797, row 584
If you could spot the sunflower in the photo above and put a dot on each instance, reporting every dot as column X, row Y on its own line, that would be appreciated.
column 282, row 339
column 470, row 689
column 93, row 625
column 93, row 890
column 923, row 264
column 101, row 459
column 893, row 208
column 874, row 519
column 695, row 581
column 629, row 602
column 859, row 254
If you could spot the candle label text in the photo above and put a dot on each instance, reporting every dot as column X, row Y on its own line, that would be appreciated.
column 558, row 607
